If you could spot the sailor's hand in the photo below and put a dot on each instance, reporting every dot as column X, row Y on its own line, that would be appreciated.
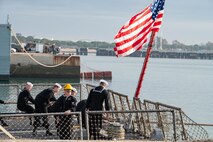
column 105, row 116
column 2, row 102
column 51, row 103
column 67, row 112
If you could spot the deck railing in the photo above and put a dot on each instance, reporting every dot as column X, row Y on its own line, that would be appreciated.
column 43, row 126
column 61, row 126
column 141, row 123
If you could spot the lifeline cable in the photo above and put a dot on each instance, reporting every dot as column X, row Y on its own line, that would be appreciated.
column 7, row 133
column 87, row 67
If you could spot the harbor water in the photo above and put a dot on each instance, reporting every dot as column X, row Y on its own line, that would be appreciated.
column 179, row 82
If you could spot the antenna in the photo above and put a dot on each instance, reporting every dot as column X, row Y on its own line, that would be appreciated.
column 161, row 40
column 8, row 17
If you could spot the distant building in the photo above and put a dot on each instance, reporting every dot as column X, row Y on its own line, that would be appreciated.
column 92, row 52
column 82, row 51
column 34, row 47
column 68, row 51
column 105, row 52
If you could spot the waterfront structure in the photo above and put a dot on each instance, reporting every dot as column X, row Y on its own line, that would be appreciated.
column 163, row 54
column 5, row 40
column 23, row 66
column 33, row 65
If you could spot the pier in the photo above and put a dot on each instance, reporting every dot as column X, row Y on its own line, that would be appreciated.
column 204, row 55
column 164, row 54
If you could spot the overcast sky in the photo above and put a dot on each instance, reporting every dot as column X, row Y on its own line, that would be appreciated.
column 188, row 21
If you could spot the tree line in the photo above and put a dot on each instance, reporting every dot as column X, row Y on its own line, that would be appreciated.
column 160, row 44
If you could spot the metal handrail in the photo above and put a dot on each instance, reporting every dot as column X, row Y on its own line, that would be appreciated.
column 131, row 111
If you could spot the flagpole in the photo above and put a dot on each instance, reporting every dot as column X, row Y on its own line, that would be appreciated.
column 148, row 52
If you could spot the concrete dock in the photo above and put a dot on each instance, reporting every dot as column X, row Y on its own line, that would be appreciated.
column 22, row 65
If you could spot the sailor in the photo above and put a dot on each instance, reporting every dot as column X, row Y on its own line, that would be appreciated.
column 67, row 104
column 74, row 91
column 1, row 120
column 95, row 100
column 24, row 97
column 81, row 106
column 42, row 101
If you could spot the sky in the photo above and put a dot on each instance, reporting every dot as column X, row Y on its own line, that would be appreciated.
column 188, row 21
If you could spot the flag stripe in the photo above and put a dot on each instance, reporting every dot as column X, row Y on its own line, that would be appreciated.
column 134, row 21
column 135, row 46
column 133, row 31
column 133, row 43
column 127, row 40
column 158, row 22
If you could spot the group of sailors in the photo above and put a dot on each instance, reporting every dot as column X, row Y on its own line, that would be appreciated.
column 46, row 102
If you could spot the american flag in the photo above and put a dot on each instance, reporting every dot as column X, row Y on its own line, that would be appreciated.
column 133, row 35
